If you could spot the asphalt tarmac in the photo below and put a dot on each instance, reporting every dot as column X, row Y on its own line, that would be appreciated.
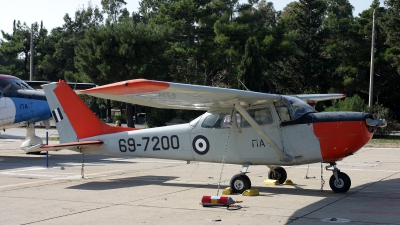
column 117, row 190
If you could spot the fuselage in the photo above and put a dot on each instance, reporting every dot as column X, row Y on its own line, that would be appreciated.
column 20, row 104
column 311, row 137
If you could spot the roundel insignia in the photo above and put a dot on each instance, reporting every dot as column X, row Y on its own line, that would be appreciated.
column 201, row 145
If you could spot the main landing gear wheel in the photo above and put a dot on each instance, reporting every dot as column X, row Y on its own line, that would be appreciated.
column 342, row 184
column 279, row 174
column 240, row 183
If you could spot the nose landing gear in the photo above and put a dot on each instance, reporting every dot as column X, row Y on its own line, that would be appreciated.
column 239, row 183
column 339, row 182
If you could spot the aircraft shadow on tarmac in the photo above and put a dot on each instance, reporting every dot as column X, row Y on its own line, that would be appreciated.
column 164, row 181
column 10, row 136
column 371, row 203
column 361, row 204
column 23, row 161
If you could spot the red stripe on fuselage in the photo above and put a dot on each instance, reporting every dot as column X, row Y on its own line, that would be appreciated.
column 340, row 139
column 83, row 120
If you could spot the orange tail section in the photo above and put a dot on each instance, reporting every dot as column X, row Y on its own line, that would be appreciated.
column 83, row 121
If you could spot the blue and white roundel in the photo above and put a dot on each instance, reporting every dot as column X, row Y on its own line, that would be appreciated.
column 200, row 145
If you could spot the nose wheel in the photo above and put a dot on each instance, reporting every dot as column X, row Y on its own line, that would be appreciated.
column 339, row 182
column 239, row 183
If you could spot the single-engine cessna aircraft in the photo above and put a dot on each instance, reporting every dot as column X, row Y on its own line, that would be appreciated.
column 239, row 127
column 22, row 105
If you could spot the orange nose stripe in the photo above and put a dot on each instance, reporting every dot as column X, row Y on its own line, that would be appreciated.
column 339, row 139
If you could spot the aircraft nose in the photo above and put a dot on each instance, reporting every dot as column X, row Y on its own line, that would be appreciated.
column 341, row 134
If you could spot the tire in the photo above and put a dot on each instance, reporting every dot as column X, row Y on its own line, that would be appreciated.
column 239, row 183
column 343, row 185
column 280, row 174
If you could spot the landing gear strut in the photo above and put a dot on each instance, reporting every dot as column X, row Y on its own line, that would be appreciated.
column 31, row 139
column 339, row 182
column 240, row 182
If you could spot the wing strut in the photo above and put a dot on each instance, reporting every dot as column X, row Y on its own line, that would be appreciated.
column 283, row 156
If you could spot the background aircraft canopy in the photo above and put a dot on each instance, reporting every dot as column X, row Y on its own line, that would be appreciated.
column 16, row 83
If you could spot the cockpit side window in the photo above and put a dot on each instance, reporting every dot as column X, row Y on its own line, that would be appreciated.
column 218, row 120
column 17, row 84
column 26, row 86
column 291, row 108
column 283, row 111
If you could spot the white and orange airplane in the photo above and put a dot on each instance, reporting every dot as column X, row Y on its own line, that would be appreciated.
column 239, row 127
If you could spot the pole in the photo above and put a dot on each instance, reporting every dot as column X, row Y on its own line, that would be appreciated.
column 31, row 61
column 47, row 152
column 371, row 73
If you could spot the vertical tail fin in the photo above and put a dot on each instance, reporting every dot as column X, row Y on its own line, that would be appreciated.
column 74, row 120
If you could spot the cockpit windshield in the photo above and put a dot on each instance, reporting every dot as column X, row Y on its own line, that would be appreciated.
column 291, row 108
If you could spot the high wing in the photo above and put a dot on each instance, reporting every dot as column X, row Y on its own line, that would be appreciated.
column 161, row 94
column 81, row 144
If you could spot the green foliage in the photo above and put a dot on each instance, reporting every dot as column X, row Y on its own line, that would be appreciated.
column 120, row 51
column 251, row 67
column 121, row 118
column 114, row 9
column 355, row 104
column 378, row 111
column 15, row 49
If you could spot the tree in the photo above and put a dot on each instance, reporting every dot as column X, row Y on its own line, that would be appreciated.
column 338, row 44
column 59, row 63
column 114, row 9
column 302, row 69
column 251, row 67
column 120, row 51
column 15, row 48
column 390, row 24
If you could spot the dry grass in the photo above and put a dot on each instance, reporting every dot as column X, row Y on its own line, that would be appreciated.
column 385, row 142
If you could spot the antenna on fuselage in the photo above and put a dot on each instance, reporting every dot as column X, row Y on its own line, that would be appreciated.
column 244, row 85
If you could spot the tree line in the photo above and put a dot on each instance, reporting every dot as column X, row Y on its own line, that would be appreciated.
column 311, row 46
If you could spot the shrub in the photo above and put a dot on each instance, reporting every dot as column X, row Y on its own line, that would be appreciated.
column 378, row 111
column 121, row 118
column 357, row 104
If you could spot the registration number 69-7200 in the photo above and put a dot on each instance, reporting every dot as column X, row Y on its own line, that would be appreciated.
column 156, row 143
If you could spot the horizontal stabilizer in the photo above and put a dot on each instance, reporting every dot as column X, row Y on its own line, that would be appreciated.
column 319, row 97
column 73, row 85
column 312, row 99
column 57, row 147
